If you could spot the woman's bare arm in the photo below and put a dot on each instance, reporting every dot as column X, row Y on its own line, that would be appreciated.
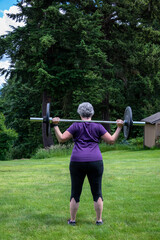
column 111, row 139
column 61, row 137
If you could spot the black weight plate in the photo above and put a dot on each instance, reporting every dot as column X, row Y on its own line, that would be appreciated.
column 48, row 127
column 128, row 122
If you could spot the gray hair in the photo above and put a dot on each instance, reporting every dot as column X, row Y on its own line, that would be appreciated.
column 85, row 109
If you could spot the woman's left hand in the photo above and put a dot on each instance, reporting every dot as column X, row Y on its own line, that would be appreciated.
column 55, row 120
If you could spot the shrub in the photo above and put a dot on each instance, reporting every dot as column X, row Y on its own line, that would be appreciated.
column 7, row 138
column 59, row 150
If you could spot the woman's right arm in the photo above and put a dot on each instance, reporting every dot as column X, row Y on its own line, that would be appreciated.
column 111, row 139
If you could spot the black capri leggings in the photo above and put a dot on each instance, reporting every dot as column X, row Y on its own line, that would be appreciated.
column 78, row 172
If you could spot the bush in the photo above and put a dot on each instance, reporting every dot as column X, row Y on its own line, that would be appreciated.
column 7, row 138
column 137, row 142
column 60, row 150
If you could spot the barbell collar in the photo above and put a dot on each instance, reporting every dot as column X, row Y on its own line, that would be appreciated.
column 139, row 123
column 34, row 119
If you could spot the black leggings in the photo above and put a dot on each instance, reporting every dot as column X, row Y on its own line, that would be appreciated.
column 78, row 172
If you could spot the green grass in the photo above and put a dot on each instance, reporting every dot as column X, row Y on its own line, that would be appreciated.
column 34, row 199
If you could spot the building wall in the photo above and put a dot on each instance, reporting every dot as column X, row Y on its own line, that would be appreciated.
column 158, row 130
column 151, row 133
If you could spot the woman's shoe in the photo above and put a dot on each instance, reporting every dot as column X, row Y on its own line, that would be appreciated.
column 99, row 223
column 72, row 223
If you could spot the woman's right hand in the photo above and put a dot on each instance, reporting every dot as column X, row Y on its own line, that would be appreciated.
column 120, row 123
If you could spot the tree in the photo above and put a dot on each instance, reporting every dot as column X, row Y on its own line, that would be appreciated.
column 57, row 53
column 132, row 33
column 7, row 138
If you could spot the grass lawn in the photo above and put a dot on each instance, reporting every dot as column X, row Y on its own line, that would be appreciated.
column 34, row 199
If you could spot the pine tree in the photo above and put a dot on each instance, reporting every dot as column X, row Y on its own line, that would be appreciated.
column 57, row 53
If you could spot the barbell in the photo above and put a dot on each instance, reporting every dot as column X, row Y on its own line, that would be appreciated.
column 127, row 127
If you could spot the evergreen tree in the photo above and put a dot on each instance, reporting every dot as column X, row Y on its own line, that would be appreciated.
column 132, row 32
column 7, row 138
column 57, row 53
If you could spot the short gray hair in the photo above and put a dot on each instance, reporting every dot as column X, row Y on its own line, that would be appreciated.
column 85, row 109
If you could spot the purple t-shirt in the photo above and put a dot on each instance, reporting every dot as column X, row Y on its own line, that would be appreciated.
column 86, row 136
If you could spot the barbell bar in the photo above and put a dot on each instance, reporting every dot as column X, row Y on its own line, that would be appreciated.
column 127, row 127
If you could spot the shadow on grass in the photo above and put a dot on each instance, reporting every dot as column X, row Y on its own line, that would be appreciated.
column 52, row 220
column 49, row 219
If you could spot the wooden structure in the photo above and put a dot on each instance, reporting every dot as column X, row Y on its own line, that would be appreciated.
column 152, row 130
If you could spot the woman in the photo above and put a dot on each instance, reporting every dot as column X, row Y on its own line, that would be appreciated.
column 86, row 158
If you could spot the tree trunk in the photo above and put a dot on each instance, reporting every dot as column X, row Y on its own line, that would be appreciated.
column 47, row 141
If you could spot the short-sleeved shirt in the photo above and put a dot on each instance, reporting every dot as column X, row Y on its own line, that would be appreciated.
column 86, row 136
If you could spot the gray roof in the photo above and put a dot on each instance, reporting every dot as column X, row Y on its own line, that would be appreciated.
column 155, row 118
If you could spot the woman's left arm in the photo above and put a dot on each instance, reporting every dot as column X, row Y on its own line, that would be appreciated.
column 61, row 137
